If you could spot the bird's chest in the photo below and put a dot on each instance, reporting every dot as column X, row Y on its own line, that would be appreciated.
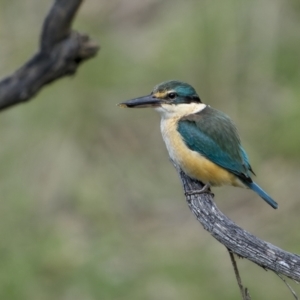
column 172, row 139
column 192, row 163
column 179, row 153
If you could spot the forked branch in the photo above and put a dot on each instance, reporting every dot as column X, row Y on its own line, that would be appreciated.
column 60, row 53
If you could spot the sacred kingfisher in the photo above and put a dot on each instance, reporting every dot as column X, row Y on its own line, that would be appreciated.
column 201, row 140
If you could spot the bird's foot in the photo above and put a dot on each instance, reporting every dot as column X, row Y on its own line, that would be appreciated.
column 205, row 189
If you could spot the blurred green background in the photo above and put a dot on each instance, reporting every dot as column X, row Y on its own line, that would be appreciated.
column 91, row 207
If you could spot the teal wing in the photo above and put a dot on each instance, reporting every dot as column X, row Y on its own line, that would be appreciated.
column 212, row 134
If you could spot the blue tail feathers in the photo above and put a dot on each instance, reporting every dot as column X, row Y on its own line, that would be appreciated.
column 257, row 189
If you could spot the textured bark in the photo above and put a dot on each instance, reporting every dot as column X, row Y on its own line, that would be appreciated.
column 61, row 51
column 236, row 239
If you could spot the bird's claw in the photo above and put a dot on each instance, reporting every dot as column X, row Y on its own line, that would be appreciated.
column 205, row 189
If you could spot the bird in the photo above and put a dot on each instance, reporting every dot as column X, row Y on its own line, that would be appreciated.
column 202, row 141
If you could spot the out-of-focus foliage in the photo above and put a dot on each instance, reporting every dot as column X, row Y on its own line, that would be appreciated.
column 91, row 207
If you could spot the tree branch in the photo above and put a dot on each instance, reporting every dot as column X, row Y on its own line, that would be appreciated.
column 61, row 51
column 236, row 239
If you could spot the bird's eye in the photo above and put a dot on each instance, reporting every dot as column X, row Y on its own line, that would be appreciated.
column 172, row 95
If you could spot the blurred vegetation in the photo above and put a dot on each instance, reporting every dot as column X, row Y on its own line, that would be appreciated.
column 91, row 207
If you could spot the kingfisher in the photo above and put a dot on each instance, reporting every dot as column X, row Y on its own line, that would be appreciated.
column 202, row 141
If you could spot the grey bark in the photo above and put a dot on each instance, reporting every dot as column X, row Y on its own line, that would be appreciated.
column 236, row 239
column 61, row 52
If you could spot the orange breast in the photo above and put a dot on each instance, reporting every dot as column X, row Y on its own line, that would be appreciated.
column 191, row 162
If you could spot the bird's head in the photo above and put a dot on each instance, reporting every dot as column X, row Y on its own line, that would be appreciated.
column 169, row 96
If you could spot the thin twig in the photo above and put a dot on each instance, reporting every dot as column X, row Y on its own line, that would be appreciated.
column 287, row 284
column 244, row 291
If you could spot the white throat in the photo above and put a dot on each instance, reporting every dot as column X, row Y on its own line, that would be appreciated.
column 180, row 110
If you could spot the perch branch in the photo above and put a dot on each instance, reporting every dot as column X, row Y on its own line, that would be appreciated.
column 61, row 51
column 236, row 239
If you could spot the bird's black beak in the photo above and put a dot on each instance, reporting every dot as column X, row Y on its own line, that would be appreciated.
column 146, row 101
